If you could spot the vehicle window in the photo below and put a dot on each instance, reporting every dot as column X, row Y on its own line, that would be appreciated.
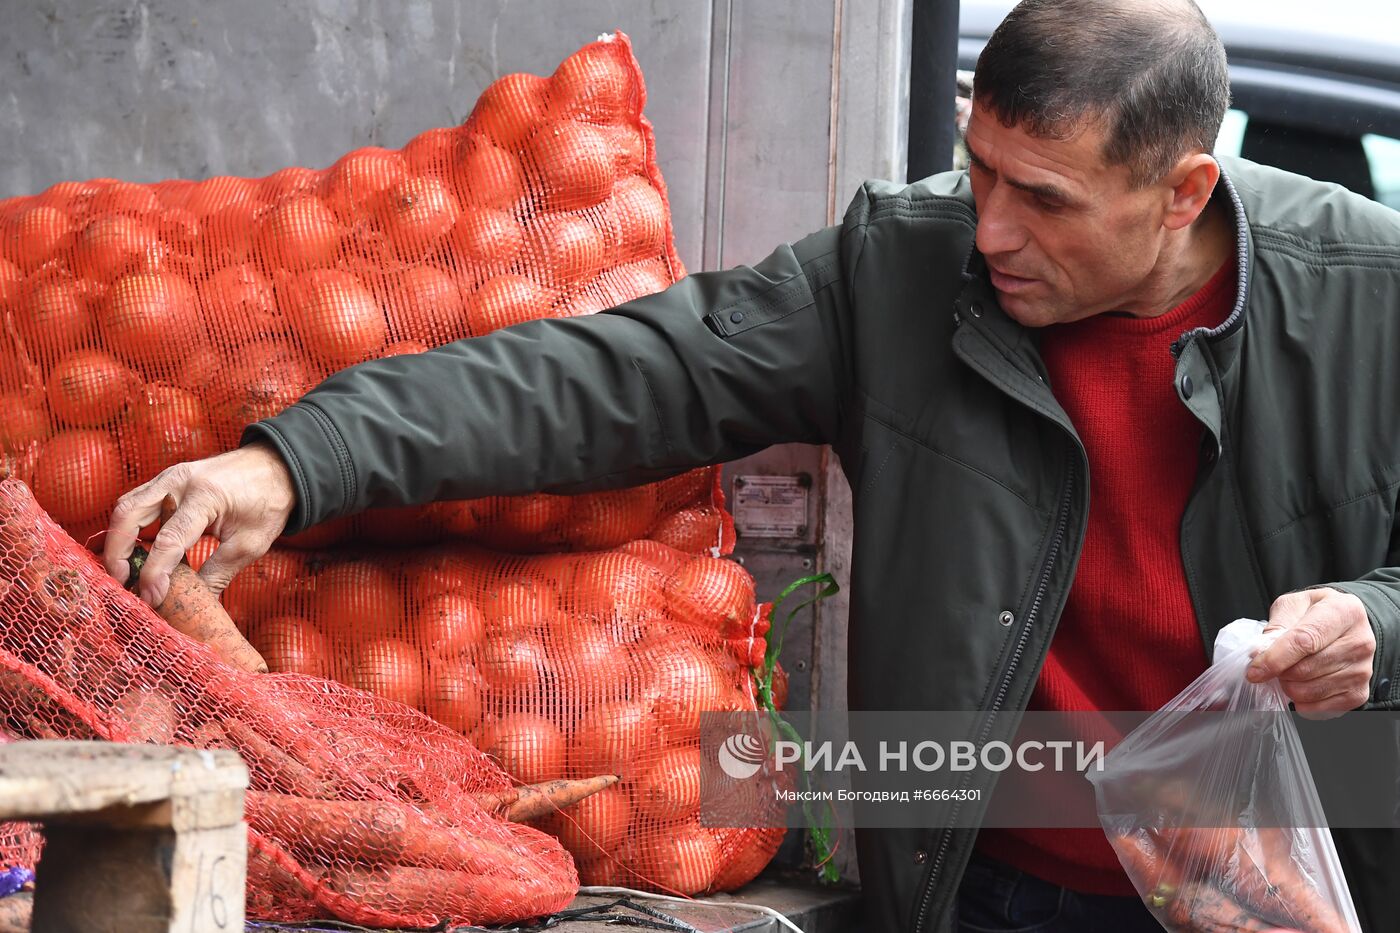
column 1326, row 155
column 1384, row 155
column 1231, row 133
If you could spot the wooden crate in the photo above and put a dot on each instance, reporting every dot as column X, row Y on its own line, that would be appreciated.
column 138, row 838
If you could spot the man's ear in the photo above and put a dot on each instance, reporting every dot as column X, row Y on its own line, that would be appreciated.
column 1191, row 180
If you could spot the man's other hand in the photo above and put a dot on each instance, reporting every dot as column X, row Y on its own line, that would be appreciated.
column 1323, row 658
column 242, row 497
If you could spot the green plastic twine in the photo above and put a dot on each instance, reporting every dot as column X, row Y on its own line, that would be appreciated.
column 819, row 832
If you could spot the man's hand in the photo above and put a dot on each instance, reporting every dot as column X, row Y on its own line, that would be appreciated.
column 242, row 497
column 1323, row 658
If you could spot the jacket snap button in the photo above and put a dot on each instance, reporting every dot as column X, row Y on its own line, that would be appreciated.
column 1006, row 618
column 976, row 309
column 1186, row 386
column 736, row 317
column 1383, row 688
column 920, row 856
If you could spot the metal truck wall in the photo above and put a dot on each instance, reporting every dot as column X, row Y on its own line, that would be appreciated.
column 768, row 115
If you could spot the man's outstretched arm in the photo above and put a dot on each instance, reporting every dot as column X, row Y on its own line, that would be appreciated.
column 716, row 367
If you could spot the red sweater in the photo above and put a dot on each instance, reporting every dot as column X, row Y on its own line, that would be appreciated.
column 1127, row 639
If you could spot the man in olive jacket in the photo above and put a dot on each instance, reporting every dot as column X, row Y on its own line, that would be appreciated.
column 910, row 339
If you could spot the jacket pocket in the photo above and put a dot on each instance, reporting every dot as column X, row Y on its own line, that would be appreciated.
column 872, row 467
column 876, row 447
column 773, row 305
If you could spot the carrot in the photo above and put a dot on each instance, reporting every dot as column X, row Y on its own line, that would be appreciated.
column 1260, row 874
column 1202, row 908
column 1182, row 907
column 148, row 715
column 532, row 801
column 1275, row 887
column 278, row 885
column 274, row 765
column 1250, row 897
column 1145, row 865
column 352, row 763
column 192, row 609
column 34, row 714
column 42, row 596
column 210, row 735
column 65, row 593
column 485, row 898
column 371, row 831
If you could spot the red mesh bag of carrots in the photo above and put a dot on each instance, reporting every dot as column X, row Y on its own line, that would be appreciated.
column 19, row 842
column 1212, row 809
column 360, row 808
column 144, row 325
column 575, row 666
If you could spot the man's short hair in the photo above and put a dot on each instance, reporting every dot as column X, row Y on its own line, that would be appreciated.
column 1153, row 71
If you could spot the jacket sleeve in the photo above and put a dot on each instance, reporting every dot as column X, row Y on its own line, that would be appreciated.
column 718, row 366
column 1379, row 591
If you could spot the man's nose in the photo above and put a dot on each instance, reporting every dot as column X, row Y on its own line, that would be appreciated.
column 999, row 231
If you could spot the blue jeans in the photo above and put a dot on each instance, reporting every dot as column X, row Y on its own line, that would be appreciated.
column 996, row 898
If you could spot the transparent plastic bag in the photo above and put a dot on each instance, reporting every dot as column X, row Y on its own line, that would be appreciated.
column 1213, row 812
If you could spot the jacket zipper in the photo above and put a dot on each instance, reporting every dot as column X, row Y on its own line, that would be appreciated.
column 1061, row 526
column 1179, row 345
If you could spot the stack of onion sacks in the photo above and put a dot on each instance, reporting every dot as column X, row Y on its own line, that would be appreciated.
column 146, row 325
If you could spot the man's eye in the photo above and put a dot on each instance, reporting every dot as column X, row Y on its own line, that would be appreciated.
column 1049, row 207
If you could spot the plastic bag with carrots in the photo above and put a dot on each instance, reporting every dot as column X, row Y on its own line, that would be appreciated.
column 1213, row 812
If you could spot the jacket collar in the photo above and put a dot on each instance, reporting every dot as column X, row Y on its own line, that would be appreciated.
column 1244, row 267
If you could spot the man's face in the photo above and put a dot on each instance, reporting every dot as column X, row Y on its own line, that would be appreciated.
column 1064, row 234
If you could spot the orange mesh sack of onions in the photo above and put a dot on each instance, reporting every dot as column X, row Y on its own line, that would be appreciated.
column 359, row 808
column 144, row 325
column 569, row 666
